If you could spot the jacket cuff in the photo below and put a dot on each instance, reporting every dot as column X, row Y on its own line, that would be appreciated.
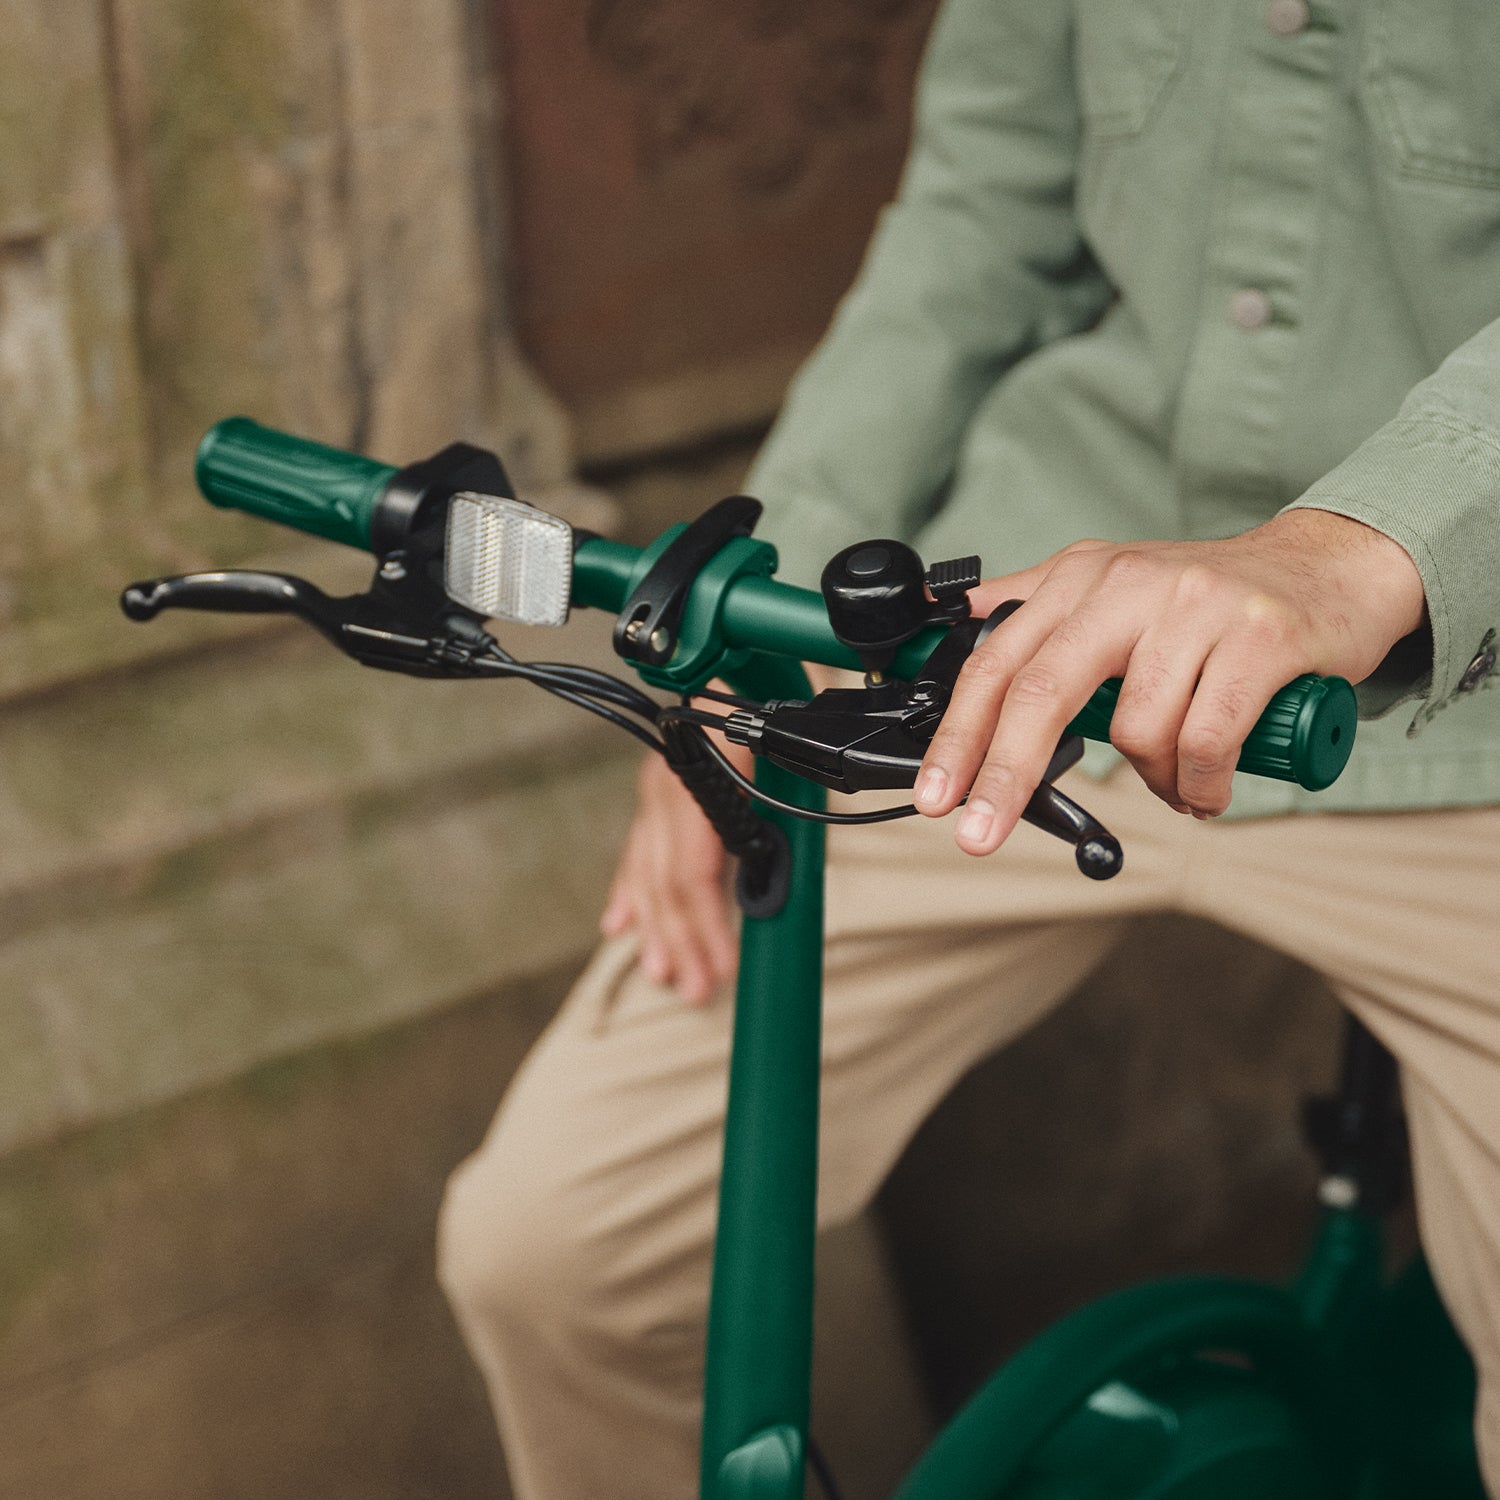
column 1430, row 482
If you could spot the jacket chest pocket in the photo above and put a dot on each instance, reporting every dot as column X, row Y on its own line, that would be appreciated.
column 1432, row 68
column 1126, row 52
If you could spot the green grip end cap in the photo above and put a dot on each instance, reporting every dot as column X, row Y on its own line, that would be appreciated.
column 1305, row 734
column 1323, row 731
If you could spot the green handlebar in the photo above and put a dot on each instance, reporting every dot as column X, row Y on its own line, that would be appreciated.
column 1305, row 734
column 293, row 480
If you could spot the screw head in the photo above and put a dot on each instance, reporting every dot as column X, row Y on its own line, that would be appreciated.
column 392, row 570
column 661, row 640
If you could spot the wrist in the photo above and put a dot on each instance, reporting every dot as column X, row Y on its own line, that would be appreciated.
column 1372, row 572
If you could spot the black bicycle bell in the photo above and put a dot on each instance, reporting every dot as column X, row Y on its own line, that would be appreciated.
column 877, row 597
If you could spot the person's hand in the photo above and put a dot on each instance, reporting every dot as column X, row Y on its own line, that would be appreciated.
column 1203, row 634
column 669, row 886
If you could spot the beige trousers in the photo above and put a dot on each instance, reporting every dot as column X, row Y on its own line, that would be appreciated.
column 575, row 1244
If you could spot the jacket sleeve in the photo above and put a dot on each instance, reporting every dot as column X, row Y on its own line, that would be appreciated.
column 979, row 260
column 1430, row 480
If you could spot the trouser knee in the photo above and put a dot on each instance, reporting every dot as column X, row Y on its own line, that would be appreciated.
column 523, row 1256
column 504, row 1255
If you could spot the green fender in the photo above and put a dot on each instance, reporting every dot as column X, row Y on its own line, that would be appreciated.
column 987, row 1445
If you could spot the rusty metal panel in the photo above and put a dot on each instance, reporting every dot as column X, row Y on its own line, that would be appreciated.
column 691, row 187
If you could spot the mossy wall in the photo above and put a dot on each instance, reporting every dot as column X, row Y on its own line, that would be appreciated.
column 249, row 892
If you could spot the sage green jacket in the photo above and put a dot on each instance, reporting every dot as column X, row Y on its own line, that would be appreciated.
column 1161, row 268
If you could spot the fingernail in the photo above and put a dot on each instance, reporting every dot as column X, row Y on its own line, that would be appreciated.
column 931, row 785
column 654, row 965
column 978, row 819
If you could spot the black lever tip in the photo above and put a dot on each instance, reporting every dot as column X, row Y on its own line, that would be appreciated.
column 1100, row 856
column 142, row 601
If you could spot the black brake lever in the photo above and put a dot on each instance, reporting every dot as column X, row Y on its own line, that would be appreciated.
column 840, row 741
column 233, row 591
column 874, row 737
column 380, row 628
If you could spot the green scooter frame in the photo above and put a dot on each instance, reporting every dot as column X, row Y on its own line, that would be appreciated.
column 1339, row 1387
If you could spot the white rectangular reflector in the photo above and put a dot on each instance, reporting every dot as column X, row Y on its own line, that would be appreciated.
column 508, row 560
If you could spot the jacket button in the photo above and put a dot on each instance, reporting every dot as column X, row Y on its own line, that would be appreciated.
column 1250, row 309
column 1477, row 670
column 1287, row 17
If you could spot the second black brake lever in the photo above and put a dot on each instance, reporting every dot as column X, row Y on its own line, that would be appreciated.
column 874, row 737
column 833, row 741
column 374, row 628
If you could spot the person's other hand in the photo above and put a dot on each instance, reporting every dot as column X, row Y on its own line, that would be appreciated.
column 1203, row 634
column 670, row 887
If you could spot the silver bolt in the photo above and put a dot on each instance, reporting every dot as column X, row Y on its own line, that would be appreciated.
column 661, row 639
column 633, row 630
column 392, row 570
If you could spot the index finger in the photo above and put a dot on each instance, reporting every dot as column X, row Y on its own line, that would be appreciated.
column 1043, row 697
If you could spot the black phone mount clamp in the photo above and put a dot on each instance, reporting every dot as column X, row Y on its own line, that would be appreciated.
column 405, row 621
column 670, row 627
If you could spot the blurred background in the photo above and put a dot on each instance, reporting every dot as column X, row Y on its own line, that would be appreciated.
column 274, row 932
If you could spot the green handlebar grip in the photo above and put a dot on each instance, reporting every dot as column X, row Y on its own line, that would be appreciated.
column 292, row 480
column 1304, row 735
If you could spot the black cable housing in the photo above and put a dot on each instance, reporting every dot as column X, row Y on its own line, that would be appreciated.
column 585, row 687
column 714, row 721
column 764, row 875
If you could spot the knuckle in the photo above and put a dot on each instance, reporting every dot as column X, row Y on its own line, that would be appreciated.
column 983, row 672
column 1230, row 701
column 1076, row 566
column 1267, row 622
column 1136, row 737
column 1127, row 568
column 1197, row 584
column 1035, row 686
column 941, row 747
column 1204, row 748
column 1070, row 632
column 1145, row 680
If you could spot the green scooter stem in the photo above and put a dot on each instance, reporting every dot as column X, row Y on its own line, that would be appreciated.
column 759, row 1356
